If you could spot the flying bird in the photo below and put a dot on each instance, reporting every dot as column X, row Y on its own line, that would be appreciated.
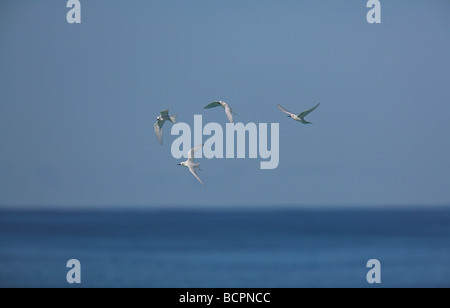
column 189, row 163
column 228, row 109
column 163, row 117
column 301, row 116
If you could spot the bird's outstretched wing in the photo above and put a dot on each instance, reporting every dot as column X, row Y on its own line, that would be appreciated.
column 284, row 110
column 165, row 115
column 158, row 131
column 195, row 174
column 229, row 112
column 173, row 118
column 191, row 153
column 305, row 113
column 212, row 105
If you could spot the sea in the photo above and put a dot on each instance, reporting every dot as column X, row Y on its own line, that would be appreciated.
column 226, row 248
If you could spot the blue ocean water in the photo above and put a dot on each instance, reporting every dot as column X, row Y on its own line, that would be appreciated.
column 225, row 248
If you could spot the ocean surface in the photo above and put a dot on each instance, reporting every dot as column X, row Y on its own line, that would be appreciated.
column 225, row 248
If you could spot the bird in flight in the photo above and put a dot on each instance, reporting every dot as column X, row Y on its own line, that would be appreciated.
column 228, row 109
column 189, row 163
column 163, row 117
column 301, row 116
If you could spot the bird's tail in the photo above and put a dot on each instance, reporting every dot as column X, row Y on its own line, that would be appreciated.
column 173, row 118
column 197, row 166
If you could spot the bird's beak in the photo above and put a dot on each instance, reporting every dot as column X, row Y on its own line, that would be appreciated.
column 178, row 164
column 288, row 116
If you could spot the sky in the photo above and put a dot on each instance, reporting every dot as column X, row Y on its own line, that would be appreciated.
column 78, row 102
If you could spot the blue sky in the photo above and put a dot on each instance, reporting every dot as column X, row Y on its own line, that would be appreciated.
column 78, row 102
